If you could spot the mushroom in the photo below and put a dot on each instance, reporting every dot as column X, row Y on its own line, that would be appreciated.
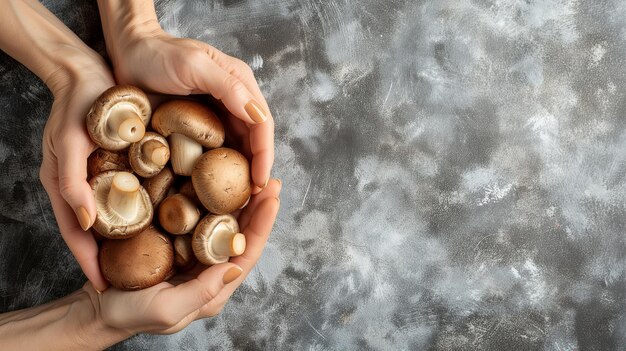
column 159, row 186
column 221, row 178
column 189, row 192
column 123, row 206
column 118, row 117
column 178, row 215
column 217, row 238
column 139, row 262
column 149, row 155
column 189, row 126
column 184, row 258
column 103, row 160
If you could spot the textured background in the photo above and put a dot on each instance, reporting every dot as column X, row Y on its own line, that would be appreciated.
column 453, row 175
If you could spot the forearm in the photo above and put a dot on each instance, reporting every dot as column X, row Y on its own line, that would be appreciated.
column 123, row 21
column 70, row 323
column 35, row 37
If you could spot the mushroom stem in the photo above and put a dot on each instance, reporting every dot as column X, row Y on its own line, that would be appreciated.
column 126, row 123
column 184, row 153
column 156, row 152
column 227, row 243
column 124, row 195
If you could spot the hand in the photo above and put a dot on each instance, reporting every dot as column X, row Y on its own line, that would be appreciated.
column 66, row 146
column 200, row 293
column 158, row 62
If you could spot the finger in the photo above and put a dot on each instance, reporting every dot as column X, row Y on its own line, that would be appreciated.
column 82, row 245
column 73, row 186
column 272, row 190
column 257, row 233
column 229, row 89
column 183, row 299
column 262, row 148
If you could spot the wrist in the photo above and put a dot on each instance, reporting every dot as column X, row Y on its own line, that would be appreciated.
column 92, row 331
column 125, row 23
column 75, row 65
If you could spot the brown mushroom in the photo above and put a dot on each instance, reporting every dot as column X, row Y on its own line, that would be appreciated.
column 149, row 155
column 123, row 207
column 189, row 126
column 190, row 193
column 103, row 160
column 221, row 178
column 139, row 262
column 159, row 186
column 184, row 258
column 178, row 215
column 217, row 238
column 118, row 117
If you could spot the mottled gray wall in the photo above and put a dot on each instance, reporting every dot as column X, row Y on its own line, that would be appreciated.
column 453, row 175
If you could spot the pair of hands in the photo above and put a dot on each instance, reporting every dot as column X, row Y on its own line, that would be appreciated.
column 157, row 63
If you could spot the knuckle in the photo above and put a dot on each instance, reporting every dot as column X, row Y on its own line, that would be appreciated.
column 164, row 319
column 65, row 187
column 233, row 86
column 206, row 295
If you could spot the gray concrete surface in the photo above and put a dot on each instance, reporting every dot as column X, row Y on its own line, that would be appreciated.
column 453, row 175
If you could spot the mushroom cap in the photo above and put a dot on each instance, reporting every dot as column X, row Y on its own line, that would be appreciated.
column 103, row 160
column 190, row 193
column 120, row 97
column 139, row 262
column 184, row 258
column 202, row 237
column 191, row 119
column 221, row 178
column 143, row 164
column 108, row 223
column 159, row 185
column 178, row 215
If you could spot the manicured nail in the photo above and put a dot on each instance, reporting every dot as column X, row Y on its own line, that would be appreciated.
column 232, row 274
column 83, row 218
column 255, row 111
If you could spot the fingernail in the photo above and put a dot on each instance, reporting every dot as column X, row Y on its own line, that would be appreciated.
column 280, row 182
column 255, row 111
column 232, row 274
column 98, row 291
column 83, row 218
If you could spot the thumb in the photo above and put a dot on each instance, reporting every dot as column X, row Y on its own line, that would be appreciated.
column 73, row 185
column 192, row 295
column 213, row 79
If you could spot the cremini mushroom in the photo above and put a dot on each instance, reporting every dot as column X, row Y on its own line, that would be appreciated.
column 217, row 238
column 159, row 186
column 189, row 126
column 190, row 193
column 149, row 155
column 139, row 262
column 221, row 178
column 184, row 258
column 123, row 207
column 178, row 215
column 118, row 117
column 103, row 160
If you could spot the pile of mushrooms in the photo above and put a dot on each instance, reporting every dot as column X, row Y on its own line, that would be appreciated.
column 164, row 187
